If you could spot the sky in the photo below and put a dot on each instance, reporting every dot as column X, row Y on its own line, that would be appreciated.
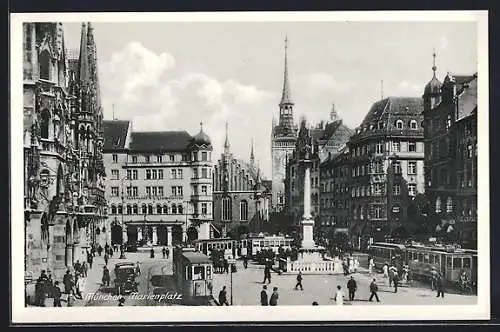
column 174, row 75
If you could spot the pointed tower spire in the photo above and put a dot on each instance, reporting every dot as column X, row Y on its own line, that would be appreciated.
column 333, row 114
column 252, row 157
column 226, row 143
column 286, row 97
column 83, row 60
column 434, row 68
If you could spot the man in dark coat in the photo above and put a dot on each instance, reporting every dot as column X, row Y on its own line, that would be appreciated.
column 56, row 293
column 68, row 282
column 263, row 296
column 245, row 261
column 267, row 274
column 373, row 291
column 164, row 252
column 274, row 297
column 299, row 281
column 223, row 297
column 440, row 286
column 90, row 260
column 395, row 280
column 352, row 287
column 78, row 266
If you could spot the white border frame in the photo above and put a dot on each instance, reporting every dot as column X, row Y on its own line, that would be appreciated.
column 21, row 314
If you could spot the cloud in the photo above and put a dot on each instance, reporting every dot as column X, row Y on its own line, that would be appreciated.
column 317, row 82
column 147, row 88
column 406, row 87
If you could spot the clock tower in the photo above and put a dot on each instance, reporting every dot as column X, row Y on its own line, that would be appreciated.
column 283, row 138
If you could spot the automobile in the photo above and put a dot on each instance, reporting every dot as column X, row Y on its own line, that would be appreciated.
column 131, row 246
column 125, row 278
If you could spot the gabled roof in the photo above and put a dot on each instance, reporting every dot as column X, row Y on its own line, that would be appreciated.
column 156, row 141
column 467, row 100
column 392, row 106
column 115, row 134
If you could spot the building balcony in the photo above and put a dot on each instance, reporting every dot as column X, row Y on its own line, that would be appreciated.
column 151, row 197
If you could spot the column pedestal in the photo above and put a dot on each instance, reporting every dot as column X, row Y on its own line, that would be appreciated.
column 155, row 235
column 139, row 234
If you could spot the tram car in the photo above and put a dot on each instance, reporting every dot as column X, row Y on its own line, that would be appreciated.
column 252, row 245
column 230, row 247
column 450, row 262
column 193, row 275
column 387, row 253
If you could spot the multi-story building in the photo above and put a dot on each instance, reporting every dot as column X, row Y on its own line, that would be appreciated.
column 387, row 170
column 241, row 200
column 451, row 160
column 283, row 139
column 64, row 201
column 159, row 185
column 335, row 174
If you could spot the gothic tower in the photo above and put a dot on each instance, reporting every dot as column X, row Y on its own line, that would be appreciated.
column 283, row 138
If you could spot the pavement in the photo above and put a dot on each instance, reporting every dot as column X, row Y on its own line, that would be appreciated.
column 247, row 285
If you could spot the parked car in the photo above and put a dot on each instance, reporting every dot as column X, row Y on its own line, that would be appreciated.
column 125, row 278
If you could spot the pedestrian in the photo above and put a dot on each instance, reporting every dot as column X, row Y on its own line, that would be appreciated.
column 164, row 252
column 68, row 282
column 245, row 261
column 84, row 269
column 386, row 270
column 345, row 266
column 39, row 293
column 105, row 276
column 339, row 296
column 395, row 280
column 168, row 252
column 371, row 265
column 267, row 274
column 92, row 251
column 80, row 286
column 78, row 266
column 121, row 301
column 99, row 250
column 223, row 297
column 110, row 252
column 106, row 248
column 299, row 281
column 226, row 265
column 138, row 268
column 70, row 299
column 106, row 258
column 440, row 286
column 352, row 287
column 49, row 284
column 90, row 260
column 263, row 296
column 373, row 291
column 56, row 293
column 274, row 297
column 152, row 253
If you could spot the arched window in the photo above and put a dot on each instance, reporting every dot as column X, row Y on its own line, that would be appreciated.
column 120, row 209
column 144, row 209
column 179, row 209
column 449, row 205
column 174, row 209
column 158, row 209
column 438, row 205
column 150, row 209
column 129, row 209
column 44, row 62
column 44, row 124
column 226, row 208
column 165, row 209
column 113, row 209
column 399, row 124
column 413, row 124
column 135, row 210
column 243, row 210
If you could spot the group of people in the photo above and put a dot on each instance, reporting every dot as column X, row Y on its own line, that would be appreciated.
column 350, row 265
column 265, row 300
column 352, row 288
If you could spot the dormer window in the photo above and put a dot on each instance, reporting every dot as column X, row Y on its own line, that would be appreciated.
column 399, row 124
column 413, row 124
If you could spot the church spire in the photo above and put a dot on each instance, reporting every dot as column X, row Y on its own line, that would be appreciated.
column 333, row 114
column 252, row 157
column 226, row 143
column 84, row 57
column 434, row 68
column 286, row 97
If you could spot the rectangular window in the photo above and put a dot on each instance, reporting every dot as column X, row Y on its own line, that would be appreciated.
column 397, row 167
column 203, row 208
column 115, row 158
column 173, row 174
column 160, row 191
column 379, row 148
column 396, row 146
column 195, row 173
column 160, row 174
column 129, row 174
column 146, row 159
column 184, row 157
column 412, row 167
column 159, row 159
column 155, row 191
column 203, row 190
column 115, row 175
column 148, row 174
column 204, row 174
column 155, row 174
column 412, row 146
column 204, row 156
column 135, row 191
column 134, row 159
column 172, row 158
column 396, row 189
column 179, row 174
column 148, row 191
column 114, row 191
column 129, row 191
column 179, row 191
column 195, row 189
column 174, row 190
column 412, row 189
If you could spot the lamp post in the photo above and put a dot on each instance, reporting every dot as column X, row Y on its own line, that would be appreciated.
column 122, row 254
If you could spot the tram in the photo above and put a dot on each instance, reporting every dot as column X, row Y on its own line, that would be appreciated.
column 387, row 253
column 193, row 275
column 252, row 245
column 230, row 247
